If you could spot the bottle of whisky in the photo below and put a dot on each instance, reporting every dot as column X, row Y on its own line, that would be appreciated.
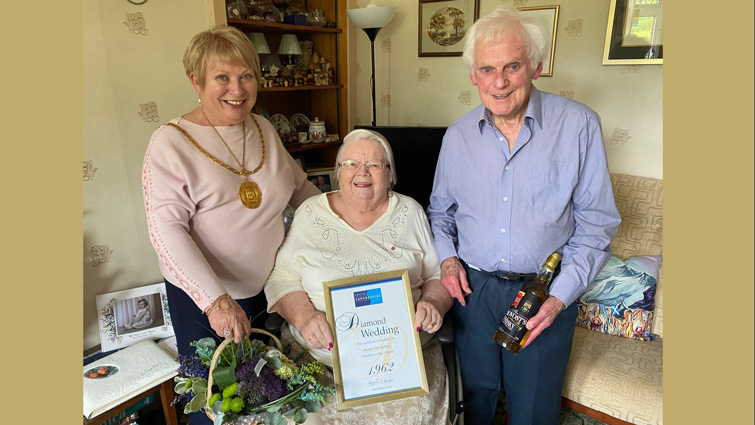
column 512, row 332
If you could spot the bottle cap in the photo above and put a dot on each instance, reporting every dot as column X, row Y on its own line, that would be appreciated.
column 552, row 261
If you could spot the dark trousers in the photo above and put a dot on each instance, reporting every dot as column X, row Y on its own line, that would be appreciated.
column 190, row 324
column 532, row 379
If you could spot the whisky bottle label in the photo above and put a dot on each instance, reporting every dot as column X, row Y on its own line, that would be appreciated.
column 522, row 309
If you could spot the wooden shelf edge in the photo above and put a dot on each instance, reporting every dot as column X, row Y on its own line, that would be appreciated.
column 298, row 147
column 274, row 26
column 295, row 88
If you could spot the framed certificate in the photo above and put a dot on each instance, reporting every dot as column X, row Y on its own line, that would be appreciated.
column 377, row 355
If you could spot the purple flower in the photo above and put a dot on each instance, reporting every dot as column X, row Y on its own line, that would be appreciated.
column 258, row 390
column 192, row 367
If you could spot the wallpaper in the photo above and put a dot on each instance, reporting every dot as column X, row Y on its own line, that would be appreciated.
column 133, row 81
column 629, row 99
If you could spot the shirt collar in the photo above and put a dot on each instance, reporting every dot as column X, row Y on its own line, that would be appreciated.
column 534, row 111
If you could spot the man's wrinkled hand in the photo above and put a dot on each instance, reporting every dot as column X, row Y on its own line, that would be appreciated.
column 454, row 279
column 551, row 308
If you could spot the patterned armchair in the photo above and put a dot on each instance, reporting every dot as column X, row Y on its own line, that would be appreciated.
column 610, row 375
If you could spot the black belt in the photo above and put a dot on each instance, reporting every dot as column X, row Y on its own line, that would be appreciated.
column 512, row 276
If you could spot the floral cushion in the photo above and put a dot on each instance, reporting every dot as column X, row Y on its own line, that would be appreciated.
column 621, row 299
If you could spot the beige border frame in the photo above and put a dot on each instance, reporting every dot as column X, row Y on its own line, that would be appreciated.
column 607, row 44
column 549, row 71
column 390, row 277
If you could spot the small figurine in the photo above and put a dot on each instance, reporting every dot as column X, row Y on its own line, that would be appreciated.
column 274, row 70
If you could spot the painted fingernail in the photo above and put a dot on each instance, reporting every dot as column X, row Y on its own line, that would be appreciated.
column 419, row 328
column 330, row 345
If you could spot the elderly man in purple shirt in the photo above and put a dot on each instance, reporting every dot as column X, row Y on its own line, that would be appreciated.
column 519, row 177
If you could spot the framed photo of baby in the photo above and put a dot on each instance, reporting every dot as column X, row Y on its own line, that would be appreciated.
column 129, row 316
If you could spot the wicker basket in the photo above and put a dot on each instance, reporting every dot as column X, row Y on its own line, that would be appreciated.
column 218, row 351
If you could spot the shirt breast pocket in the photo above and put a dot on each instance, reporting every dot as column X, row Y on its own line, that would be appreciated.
column 549, row 187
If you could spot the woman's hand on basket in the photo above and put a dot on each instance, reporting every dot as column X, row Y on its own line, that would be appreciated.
column 316, row 331
column 228, row 319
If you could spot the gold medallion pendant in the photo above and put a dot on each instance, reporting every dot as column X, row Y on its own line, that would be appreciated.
column 250, row 195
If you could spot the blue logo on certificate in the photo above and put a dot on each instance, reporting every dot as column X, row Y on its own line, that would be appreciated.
column 368, row 297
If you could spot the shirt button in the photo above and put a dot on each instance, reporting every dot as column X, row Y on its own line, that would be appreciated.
column 500, row 139
column 505, row 198
column 507, row 168
column 503, row 260
column 503, row 230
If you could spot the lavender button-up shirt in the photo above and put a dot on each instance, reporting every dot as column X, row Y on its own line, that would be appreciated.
column 507, row 211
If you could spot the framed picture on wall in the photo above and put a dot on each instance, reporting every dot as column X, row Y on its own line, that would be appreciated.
column 548, row 16
column 443, row 24
column 323, row 178
column 634, row 35
column 129, row 316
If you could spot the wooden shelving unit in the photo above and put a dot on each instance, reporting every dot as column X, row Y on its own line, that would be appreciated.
column 326, row 103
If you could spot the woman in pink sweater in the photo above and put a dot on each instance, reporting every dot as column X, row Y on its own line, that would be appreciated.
column 216, row 181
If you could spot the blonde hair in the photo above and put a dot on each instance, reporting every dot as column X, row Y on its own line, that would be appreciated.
column 222, row 43
column 372, row 136
column 499, row 22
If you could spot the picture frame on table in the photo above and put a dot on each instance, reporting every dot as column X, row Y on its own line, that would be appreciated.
column 443, row 24
column 548, row 16
column 377, row 354
column 323, row 178
column 634, row 34
column 132, row 315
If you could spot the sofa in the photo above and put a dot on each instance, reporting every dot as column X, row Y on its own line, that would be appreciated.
column 620, row 380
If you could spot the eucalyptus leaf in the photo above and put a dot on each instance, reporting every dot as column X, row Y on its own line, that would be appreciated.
column 218, row 419
column 300, row 416
column 280, row 421
column 273, row 408
column 217, row 408
column 290, row 413
column 180, row 388
column 312, row 406
column 274, row 362
column 200, row 387
column 196, row 404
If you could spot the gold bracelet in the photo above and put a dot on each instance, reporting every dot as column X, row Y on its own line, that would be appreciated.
column 217, row 307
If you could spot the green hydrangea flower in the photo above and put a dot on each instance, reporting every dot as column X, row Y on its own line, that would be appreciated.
column 230, row 390
column 237, row 404
column 214, row 398
column 226, row 407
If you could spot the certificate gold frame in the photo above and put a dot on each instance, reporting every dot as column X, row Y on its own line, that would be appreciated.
column 634, row 34
column 374, row 345
column 549, row 16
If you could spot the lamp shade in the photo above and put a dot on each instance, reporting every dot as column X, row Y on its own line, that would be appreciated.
column 260, row 44
column 289, row 45
column 371, row 16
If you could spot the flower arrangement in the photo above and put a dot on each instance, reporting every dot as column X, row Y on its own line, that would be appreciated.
column 251, row 381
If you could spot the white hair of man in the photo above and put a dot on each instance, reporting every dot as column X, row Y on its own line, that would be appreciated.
column 496, row 24
column 374, row 137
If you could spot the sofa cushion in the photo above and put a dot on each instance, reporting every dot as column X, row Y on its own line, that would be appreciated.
column 621, row 377
column 640, row 204
column 621, row 299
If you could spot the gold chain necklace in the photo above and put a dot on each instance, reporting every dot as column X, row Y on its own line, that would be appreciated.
column 249, row 192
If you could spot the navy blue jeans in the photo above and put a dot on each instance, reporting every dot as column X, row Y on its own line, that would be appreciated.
column 532, row 379
column 190, row 324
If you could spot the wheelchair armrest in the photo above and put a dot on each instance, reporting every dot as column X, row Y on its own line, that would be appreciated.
column 445, row 334
column 274, row 323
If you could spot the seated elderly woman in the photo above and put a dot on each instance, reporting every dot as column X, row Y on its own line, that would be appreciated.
column 361, row 229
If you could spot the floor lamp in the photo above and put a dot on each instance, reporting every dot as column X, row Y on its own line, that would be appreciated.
column 371, row 19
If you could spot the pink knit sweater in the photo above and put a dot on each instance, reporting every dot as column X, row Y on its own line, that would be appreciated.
column 207, row 241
